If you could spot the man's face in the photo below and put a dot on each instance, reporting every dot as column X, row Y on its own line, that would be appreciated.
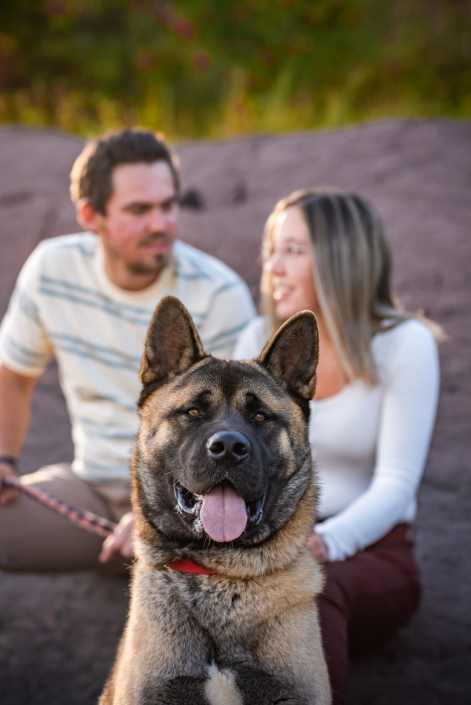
column 140, row 224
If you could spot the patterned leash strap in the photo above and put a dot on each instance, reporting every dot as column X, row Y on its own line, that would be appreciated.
column 80, row 517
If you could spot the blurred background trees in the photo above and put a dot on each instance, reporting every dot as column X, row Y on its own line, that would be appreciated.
column 218, row 68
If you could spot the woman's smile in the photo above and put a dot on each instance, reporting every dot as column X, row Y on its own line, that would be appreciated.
column 282, row 291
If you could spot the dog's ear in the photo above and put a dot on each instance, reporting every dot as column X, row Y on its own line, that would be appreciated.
column 291, row 354
column 172, row 344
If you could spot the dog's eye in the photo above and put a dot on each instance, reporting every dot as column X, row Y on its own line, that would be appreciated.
column 260, row 416
column 193, row 412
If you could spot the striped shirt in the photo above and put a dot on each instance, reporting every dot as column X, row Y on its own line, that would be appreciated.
column 65, row 305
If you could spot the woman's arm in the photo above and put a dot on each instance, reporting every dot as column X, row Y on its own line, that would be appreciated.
column 405, row 429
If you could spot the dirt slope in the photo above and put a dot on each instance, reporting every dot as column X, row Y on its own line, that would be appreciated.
column 58, row 634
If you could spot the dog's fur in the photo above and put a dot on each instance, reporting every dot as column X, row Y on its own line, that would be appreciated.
column 250, row 632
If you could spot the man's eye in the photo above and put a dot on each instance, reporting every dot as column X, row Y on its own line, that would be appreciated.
column 260, row 416
column 193, row 412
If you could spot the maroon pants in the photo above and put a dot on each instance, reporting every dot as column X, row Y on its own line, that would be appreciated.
column 365, row 600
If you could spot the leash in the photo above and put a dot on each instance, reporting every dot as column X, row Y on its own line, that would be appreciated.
column 80, row 517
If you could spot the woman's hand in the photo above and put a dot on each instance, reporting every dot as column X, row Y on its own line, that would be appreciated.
column 318, row 546
column 120, row 541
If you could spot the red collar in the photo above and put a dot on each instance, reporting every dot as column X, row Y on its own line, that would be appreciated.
column 186, row 565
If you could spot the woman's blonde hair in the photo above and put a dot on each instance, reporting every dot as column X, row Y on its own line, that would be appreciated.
column 352, row 275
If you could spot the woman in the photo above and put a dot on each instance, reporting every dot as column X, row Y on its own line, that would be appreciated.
column 373, row 412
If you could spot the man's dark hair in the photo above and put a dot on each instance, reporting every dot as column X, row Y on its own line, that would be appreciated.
column 91, row 174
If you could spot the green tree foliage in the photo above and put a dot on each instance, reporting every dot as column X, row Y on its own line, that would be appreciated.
column 223, row 67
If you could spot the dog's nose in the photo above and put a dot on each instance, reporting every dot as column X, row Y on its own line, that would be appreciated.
column 228, row 445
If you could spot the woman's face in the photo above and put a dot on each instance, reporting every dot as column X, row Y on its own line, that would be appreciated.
column 290, row 265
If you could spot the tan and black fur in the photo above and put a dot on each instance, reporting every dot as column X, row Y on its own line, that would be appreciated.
column 250, row 632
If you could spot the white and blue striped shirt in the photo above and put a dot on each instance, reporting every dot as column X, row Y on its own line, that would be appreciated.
column 65, row 305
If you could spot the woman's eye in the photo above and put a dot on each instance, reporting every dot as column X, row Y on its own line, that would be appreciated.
column 193, row 412
column 260, row 416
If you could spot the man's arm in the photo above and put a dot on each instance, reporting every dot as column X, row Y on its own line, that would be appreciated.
column 16, row 395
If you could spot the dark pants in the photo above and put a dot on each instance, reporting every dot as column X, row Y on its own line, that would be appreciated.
column 365, row 600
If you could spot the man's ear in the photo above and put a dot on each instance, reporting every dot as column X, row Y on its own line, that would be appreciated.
column 172, row 344
column 88, row 218
column 291, row 355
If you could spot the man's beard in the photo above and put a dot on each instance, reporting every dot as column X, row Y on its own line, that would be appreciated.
column 161, row 259
column 144, row 270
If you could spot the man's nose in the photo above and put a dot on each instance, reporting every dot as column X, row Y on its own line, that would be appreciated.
column 157, row 221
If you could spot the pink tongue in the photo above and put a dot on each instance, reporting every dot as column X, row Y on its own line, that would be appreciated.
column 223, row 514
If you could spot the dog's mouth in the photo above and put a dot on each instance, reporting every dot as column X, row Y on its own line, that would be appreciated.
column 222, row 513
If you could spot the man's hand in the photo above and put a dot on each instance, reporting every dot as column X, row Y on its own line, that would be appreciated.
column 318, row 546
column 7, row 494
column 16, row 395
column 120, row 540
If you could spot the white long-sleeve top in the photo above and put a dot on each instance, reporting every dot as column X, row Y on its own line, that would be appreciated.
column 370, row 444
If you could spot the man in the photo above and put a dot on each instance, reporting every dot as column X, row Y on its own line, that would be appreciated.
column 88, row 299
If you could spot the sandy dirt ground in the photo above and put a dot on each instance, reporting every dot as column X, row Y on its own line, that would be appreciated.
column 58, row 634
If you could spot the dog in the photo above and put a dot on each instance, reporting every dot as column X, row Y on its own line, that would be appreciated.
column 223, row 590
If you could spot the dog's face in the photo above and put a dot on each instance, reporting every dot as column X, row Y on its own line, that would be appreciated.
column 223, row 451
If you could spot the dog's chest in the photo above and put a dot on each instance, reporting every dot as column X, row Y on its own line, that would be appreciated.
column 221, row 607
column 219, row 603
